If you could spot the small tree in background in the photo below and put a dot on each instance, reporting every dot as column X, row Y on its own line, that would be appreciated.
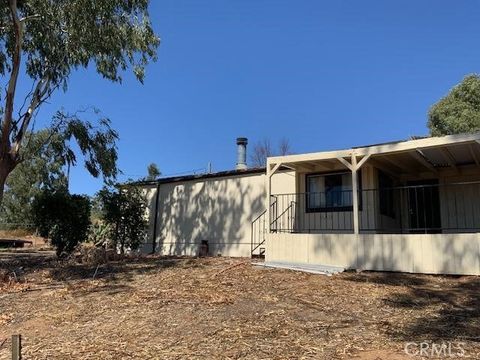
column 62, row 218
column 153, row 172
column 263, row 149
column 459, row 111
column 123, row 210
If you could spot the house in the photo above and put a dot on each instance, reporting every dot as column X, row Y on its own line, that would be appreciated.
column 213, row 209
column 411, row 206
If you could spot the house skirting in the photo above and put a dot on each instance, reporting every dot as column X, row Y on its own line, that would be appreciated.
column 457, row 254
column 231, row 249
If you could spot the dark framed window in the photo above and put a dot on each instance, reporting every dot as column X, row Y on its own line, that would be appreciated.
column 386, row 194
column 330, row 192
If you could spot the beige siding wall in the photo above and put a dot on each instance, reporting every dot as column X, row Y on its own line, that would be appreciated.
column 463, row 200
column 219, row 210
column 419, row 253
column 150, row 193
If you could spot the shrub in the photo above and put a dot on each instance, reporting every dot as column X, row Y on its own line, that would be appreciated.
column 99, row 234
column 123, row 210
column 62, row 218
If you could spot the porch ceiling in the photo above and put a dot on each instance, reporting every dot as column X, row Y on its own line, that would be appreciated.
column 420, row 155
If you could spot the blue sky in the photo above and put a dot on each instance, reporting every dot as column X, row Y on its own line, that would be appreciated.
column 324, row 74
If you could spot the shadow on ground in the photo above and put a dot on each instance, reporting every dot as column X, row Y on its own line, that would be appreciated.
column 388, row 278
column 24, row 266
column 125, row 268
column 442, row 308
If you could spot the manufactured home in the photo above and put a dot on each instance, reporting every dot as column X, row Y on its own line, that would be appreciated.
column 411, row 206
column 215, row 210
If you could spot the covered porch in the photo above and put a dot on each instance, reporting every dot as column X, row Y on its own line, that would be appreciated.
column 429, row 185
column 420, row 196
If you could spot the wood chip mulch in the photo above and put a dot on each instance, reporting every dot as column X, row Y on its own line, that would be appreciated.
column 222, row 308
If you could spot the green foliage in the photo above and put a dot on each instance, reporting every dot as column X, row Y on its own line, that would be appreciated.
column 153, row 172
column 124, row 211
column 40, row 169
column 95, row 139
column 459, row 111
column 99, row 234
column 61, row 36
column 47, row 156
column 46, row 41
column 63, row 218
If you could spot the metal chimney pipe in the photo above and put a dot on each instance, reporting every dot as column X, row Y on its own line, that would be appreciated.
column 241, row 153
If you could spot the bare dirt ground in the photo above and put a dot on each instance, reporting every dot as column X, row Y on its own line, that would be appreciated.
column 220, row 308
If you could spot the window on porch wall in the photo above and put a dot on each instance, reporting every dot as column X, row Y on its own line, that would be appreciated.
column 330, row 192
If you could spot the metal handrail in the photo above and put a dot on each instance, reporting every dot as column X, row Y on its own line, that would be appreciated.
column 255, row 244
column 284, row 212
column 424, row 208
column 259, row 216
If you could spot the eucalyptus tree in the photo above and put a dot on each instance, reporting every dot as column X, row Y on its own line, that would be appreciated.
column 45, row 41
column 459, row 110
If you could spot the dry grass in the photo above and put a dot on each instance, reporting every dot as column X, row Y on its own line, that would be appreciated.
column 220, row 308
column 16, row 233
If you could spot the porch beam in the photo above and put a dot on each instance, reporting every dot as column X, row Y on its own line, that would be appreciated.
column 396, row 164
column 304, row 167
column 310, row 166
column 447, row 155
column 474, row 154
column 327, row 164
column 273, row 170
column 363, row 161
column 346, row 163
column 290, row 166
column 393, row 172
column 421, row 159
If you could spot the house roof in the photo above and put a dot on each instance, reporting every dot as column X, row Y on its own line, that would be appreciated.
column 414, row 137
column 227, row 173
column 430, row 152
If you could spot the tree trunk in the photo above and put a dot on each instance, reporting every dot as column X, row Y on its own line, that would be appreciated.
column 6, row 167
column 3, row 179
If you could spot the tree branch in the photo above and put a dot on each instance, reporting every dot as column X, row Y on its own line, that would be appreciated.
column 30, row 17
column 28, row 96
column 40, row 94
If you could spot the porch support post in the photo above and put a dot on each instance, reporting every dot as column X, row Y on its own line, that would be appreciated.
column 270, row 172
column 356, row 226
column 354, row 166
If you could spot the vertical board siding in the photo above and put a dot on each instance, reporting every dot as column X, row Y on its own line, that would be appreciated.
column 457, row 254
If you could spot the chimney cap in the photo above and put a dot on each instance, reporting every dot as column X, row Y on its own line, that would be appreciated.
column 242, row 141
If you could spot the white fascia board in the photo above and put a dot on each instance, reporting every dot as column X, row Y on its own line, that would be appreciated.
column 326, row 155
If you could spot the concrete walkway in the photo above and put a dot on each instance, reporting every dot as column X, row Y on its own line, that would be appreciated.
column 309, row 268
